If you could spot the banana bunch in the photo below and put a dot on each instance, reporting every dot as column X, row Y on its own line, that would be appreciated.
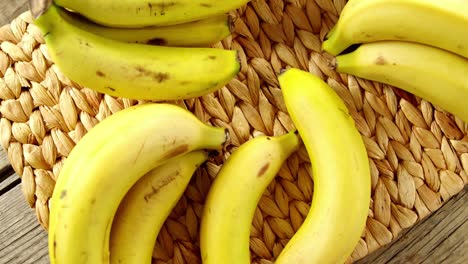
column 124, row 177
column 420, row 46
column 122, row 180
column 157, row 50
column 341, row 174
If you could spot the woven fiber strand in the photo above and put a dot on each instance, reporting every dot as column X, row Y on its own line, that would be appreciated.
column 418, row 153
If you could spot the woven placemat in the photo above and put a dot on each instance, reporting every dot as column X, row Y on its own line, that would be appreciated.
column 418, row 152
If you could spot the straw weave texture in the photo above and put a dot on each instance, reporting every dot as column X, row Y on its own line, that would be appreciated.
column 418, row 153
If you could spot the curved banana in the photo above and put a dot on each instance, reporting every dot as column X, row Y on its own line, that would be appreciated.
column 436, row 75
column 106, row 163
column 146, row 206
column 140, row 13
column 131, row 70
column 443, row 24
column 234, row 195
column 340, row 171
column 191, row 34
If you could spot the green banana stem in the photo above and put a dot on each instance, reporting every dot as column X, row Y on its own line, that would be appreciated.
column 38, row 7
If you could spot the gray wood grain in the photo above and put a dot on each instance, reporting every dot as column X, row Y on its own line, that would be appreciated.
column 4, row 162
column 440, row 238
column 22, row 239
column 7, row 177
column 8, row 182
column 11, row 9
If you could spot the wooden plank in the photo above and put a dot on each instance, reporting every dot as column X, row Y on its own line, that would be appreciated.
column 7, row 177
column 8, row 182
column 440, row 238
column 22, row 239
column 11, row 9
column 4, row 162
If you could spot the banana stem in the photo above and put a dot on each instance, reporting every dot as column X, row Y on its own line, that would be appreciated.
column 39, row 7
column 335, row 45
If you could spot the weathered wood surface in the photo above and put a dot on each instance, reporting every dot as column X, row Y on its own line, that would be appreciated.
column 10, row 9
column 22, row 239
column 7, row 180
column 440, row 238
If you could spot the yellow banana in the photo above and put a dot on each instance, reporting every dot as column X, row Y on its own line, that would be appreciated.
column 191, row 34
column 443, row 24
column 340, row 171
column 140, row 13
column 106, row 163
column 439, row 76
column 146, row 206
column 234, row 195
column 131, row 70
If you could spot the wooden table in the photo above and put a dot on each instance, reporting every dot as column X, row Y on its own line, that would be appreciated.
column 440, row 238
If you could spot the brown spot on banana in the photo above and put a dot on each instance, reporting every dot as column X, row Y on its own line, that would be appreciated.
column 157, row 76
column 263, row 170
column 164, row 4
column 157, row 42
column 100, row 74
column 176, row 151
column 55, row 246
column 155, row 189
column 206, row 5
column 110, row 88
column 380, row 60
column 63, row 194
column 160, row 76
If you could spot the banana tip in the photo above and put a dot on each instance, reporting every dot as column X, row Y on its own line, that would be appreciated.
column 39, row 7
column 282, row 71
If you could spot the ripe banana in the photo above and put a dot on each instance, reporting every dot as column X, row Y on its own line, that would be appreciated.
column 140, row 13
column 443, row 24
column 131, row 70
column 192, row 34
column 234, row 195
column 340, row 171
column 146, row 206
column 106, row 163
column 433, row 74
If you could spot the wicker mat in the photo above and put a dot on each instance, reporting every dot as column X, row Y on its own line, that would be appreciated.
column 418, row 153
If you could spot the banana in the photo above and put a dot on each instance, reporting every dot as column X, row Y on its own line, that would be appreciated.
column 433, row 74
column 340, row 171
column 140, row 13
column 106, row 163
column 146, row 206
column 192, row 34
column 443, row 24
column 233, row 197
column 131, row 70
